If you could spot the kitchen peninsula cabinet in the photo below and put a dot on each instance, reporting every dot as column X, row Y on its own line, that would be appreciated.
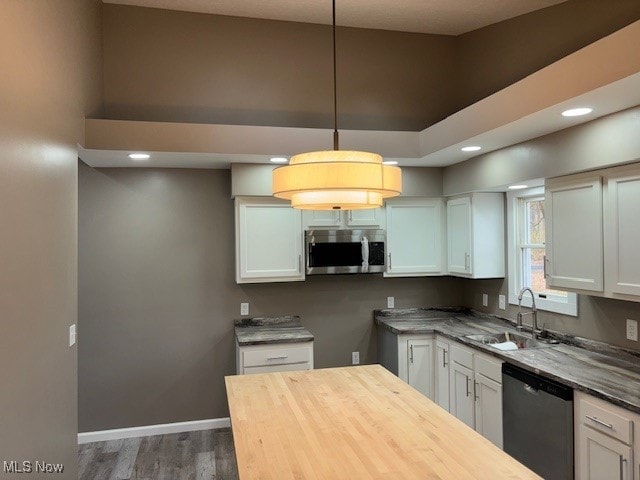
column 415, row 237
column 269, row 241
column 475, row 235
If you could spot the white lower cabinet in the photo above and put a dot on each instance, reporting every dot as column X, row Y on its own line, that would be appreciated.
column 461, row 396
column 420, row 365
column 267, row 358
column 441, row 367
column 604, row 440
column 475, row 391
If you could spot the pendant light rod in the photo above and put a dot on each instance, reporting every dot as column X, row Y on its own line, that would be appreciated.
column 335, row 82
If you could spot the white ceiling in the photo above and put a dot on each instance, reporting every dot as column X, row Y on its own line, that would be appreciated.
column 447, row 17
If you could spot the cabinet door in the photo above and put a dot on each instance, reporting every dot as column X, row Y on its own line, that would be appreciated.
column 488, row 396
column 420, row 366
column 573, row 224
column 461, row 401
column 442, row 374
column 414, row 237
column 622, row 235
column 459, row 235
column 323, row 219
column 369, row 217
column 601, row 457
column 268, row 241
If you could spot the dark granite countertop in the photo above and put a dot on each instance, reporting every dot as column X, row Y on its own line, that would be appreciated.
column 602, row 370
column 263, row 330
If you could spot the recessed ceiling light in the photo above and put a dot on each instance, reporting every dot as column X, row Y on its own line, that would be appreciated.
column 472, row 148
column 139, row 156
column 390, row 162
column 517, row 187
column 576, row 112
column 278, row 160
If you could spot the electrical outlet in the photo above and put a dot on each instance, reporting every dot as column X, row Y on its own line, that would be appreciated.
column 355, row 357
column 72, row 335
column 632, row 330
column 485, row 300
column 244, row 309
column 502, row 302
column 391, row 302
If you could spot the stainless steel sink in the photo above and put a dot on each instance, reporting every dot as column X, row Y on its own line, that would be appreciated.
column 521, row 341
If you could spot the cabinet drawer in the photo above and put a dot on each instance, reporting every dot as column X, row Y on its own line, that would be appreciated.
column 276, row 356
column 605, row 420
column 489, row 367
column 462, row 356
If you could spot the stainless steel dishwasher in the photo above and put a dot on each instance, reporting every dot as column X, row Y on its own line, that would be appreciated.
column 538, row 422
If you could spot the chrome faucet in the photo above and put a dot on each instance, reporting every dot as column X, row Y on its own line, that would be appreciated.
column 535, row 331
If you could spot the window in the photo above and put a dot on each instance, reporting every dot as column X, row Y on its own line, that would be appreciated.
column 527, row 254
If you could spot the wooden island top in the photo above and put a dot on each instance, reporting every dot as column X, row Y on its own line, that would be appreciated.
column 353, row 423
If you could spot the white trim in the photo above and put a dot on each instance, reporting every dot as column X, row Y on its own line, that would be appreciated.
column 570, row 307
column 148, row 430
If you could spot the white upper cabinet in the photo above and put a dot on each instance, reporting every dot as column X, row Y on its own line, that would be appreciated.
column 622, row 232
column 593, row 233
column 415, row 242
column 371, row 218
column 573, row 224
column 475, row 235
column 323, row 219
column 269, row 241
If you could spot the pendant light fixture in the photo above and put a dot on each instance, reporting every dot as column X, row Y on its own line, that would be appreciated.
column 336, row 179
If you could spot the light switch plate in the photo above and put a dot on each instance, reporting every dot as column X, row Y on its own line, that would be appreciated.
column 502, row 302
column 355, row 358
column 72, row 335
column 485, row 300
column 244, row 309
column 391, row 302
column 632, row 329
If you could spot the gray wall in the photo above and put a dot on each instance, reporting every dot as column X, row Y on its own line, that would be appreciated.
column 601, row 319
column 157, row 298
column 264, row 72
column 601, row 143
column 51, row 78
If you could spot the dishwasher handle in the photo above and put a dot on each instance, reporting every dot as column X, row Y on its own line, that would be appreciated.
column 531, row 390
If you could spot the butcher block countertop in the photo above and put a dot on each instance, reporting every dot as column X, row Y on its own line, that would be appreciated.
column 353, row 423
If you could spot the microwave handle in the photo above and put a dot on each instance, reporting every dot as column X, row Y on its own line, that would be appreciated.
column 365, row 254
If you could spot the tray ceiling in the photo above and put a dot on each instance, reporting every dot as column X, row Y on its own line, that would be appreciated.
column 447, row 17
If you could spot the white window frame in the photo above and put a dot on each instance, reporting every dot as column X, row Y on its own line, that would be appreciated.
column 568, row 306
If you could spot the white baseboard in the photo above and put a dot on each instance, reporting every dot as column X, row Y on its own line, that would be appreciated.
column 148, row 430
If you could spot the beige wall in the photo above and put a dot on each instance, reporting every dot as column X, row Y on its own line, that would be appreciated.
column 158, row 298
column 245, row 71
column 603, row 142
column 51, row 78
column 601, row 319
column 492, row 58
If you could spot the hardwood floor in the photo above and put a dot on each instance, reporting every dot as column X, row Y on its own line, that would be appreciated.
column 202, row 455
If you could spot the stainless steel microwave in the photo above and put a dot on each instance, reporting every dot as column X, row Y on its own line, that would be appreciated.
column 344, row 251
